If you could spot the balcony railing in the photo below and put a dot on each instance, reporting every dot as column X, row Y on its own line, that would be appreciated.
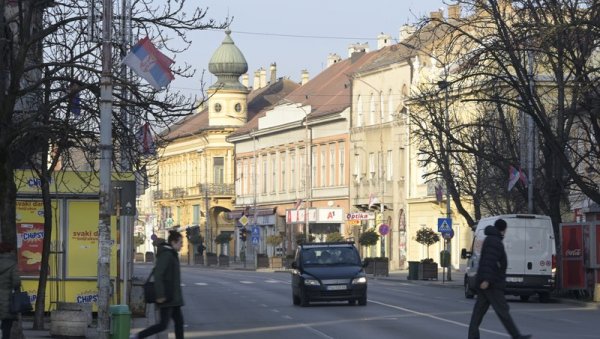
column 217, row 189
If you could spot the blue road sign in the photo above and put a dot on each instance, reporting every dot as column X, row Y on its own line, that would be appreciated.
column 255, row 234
column 444, row 225
column 254, row 240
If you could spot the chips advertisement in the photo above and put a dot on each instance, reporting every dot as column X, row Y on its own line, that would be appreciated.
column 30, row 236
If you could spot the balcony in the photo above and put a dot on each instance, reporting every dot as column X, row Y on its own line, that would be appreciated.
column 226, row 190
column 178, row 192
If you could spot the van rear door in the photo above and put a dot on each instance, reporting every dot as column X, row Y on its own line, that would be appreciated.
column 540, row 247
column 515, row 243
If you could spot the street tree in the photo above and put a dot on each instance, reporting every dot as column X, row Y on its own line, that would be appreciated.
column 49, row 94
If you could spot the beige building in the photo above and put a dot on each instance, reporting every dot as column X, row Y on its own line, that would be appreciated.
column 195, row 171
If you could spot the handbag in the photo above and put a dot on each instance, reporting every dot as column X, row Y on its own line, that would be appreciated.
column 149, row 291
column 20, row 302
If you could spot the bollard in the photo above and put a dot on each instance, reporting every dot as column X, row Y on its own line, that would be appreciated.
column 597, row 293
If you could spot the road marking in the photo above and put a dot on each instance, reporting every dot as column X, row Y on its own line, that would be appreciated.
column 317, row 332
column 286, row 317
column 275, row 310
column 263, row 305
column 427, row 315
column 273, row 281
column 246, row 282
column 200, row 284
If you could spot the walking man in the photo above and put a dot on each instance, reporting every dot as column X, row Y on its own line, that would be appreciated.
column 491, row 277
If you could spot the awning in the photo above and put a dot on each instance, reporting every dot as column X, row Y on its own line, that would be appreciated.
column 236, row 214
column 374, row 207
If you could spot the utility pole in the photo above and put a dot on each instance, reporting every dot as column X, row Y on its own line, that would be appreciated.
column 531, row 144
column 255, row 212
column 443, row 84
column 308, row 177
column 104, row 240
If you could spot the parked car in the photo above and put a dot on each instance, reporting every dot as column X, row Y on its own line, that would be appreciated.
column 328, row 272
column 531, row 254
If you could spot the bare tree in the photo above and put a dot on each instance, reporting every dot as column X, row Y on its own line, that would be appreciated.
column 49, row 59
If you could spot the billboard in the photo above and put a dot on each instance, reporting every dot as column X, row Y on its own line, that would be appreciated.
column 572, row 257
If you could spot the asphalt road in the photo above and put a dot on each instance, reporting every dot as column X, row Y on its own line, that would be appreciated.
column 248, row 304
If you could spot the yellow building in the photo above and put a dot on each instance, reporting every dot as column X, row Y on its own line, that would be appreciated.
column 195, row 171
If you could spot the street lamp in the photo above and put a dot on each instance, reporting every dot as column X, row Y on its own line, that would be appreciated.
column 444, row 85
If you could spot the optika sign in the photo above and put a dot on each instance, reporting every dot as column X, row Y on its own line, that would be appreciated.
column 573, row 253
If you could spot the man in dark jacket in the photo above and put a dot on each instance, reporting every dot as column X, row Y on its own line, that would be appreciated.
column 491, row 277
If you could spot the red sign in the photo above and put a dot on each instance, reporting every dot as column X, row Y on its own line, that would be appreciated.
column 29, row 253
column 573, row 271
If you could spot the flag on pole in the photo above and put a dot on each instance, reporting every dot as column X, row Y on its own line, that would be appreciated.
column 149, row 63
column 298, row 204
column 522, row 178
column 145, row 140
column 373, row 200
column 513, row 177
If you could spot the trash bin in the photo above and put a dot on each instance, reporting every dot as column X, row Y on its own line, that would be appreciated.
column 445, row 258
column 120, row 321
column 413, row 270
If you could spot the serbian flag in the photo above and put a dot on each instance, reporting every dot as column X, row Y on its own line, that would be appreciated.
column 149, row 63
column 514, row 175
column 298, row 204
column 145, row 140
column 373, row 200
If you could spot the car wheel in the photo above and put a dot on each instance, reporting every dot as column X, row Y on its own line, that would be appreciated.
column 524, row 297
column 544, row 297
column 351, row 302
column 362, row 301
column 468, row 291
column 304, row 299
column 295, row 299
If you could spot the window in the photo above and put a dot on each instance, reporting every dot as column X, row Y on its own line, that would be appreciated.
column 313, row 156
column 196, row 214
column 302, row 169
column 273, row 173
column 390, row 106
column 253, row 176
column 372, row 110
column 380, row 167
column 332, row 165
column 357, row 167
column 293, row 178
column 381, row 111
column 265, row 173
column 282, row 159
column 359, row 112
column 323, row 164
column 218, row 170
column 239, row 180
column 372, row 164
column 238, row 107
column 390, row 166
column 341, row 161
column 218, row 107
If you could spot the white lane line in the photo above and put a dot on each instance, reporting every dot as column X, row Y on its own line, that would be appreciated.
column 246, row 282
column 263, row 305
column 427, row 315
column 317, row 332
column 200, row 284
column 286, row 317
column 271, row 281
column 275, row 310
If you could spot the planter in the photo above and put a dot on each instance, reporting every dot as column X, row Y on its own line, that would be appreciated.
column 262, row 261
column 377, row 266
column 211, row 259
column 428, row 271
column 276, row 262
column 223, row 260
column 413, row 270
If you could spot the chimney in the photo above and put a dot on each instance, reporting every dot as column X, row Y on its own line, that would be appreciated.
column 263, row 77
column 383, row 40
column 454, row 12
column 245, row 80
column 357, row 48
column 256, row 81
column 436, row 16
column 405, row 32
column 333, row 58
column 304, row 77
column 273, row 73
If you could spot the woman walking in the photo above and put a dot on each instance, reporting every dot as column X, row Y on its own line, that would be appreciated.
column 167, row 283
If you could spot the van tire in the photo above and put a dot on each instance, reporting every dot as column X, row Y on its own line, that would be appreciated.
column 469, row 294
column 544, row 297
column 524, row 297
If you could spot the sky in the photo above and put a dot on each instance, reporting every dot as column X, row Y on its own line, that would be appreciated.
column 296, row 35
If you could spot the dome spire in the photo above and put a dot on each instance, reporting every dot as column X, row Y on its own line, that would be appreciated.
column 228, row 64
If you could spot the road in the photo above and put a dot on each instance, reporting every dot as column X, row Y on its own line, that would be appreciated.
column 248, row 304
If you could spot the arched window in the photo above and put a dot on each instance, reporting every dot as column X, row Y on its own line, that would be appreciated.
column 391, row 106
column 359, row 112
column 372, row 110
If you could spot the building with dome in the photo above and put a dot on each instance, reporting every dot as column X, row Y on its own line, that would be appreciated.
column 194, row 187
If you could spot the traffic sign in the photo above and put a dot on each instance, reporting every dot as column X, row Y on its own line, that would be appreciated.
column 244, row 220
column 384, row 229
column 448, row 235
column 444, row 225
column 255, row 233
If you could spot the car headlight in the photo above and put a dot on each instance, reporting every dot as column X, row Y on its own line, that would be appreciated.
column 359, row 280
column 311, row 282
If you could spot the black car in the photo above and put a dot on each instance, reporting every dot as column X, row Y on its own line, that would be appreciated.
column 328, row 272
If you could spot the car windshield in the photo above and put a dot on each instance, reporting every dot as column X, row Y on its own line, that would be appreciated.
column 330, row 256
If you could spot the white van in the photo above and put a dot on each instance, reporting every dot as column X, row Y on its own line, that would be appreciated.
column 531, row 252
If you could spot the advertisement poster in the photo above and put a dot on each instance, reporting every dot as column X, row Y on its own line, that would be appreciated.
column 30, row 236
column 573, row 271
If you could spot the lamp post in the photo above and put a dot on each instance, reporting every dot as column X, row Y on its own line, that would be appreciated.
column 443, row 84
column 307, row 174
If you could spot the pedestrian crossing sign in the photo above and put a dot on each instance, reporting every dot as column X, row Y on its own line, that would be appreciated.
column 444, row 225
